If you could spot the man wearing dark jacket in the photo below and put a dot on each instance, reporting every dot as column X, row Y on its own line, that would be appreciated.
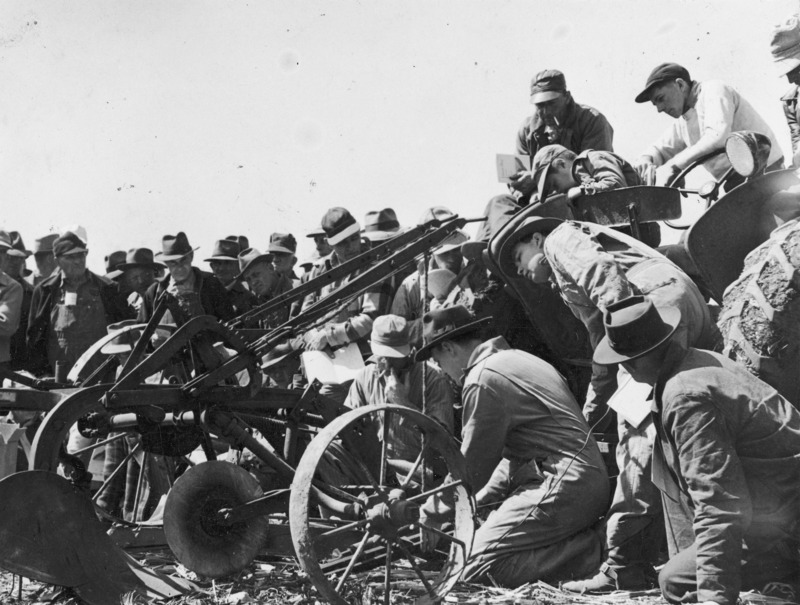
column 71, row 309
column 191, row 292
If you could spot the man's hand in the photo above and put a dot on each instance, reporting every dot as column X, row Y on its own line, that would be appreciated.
column 523, row 182
column 643, row 165
column 665, row 173
column 315, row 340
column 396, row 390
column 574, row 192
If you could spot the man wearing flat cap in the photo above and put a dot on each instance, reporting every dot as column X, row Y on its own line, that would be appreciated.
column 593, row 266
column 558, row 119
column 395, row 378
column 528, row 448
column 786, row 52
column 704, row 113
column 190, row 291
column 71, row 309
column 224, row 263
column 283, row 248
column 258, row 270
column 728, row 451
column 10, row 303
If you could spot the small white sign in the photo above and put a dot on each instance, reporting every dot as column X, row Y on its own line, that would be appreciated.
column 71, row 299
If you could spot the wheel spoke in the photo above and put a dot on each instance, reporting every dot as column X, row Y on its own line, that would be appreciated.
column 385, row 446
column 353, row 561
column 335, row 491
column 117, row 471
column 387, row 576
column 344, row 528
column 435, row 490
column 139, row 487
column 417, row 462
column 417, row 570
column 94, row 446
column 446, row 536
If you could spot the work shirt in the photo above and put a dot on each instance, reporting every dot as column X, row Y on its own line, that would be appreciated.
column 518, row 409
column 731, row 444
column 241, row 299
column 792, row 112
column 583, row 128
column 10, row 313
column 716, row 111
column 202, row 294
column 280, row 315
column 598, row 171
column 369, row 388
column 19, row 347
column 353, row 323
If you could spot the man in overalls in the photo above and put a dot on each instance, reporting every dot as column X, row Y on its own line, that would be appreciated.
column 71, row 309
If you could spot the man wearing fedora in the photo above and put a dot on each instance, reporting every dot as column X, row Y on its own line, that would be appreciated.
column 381, row 225
column 11, row 296
column 704, row 113
column 258, row 270
column 785, row 49
column 13, row 264
column 281, row 366
column 191, row 292
column 43, row 256
column 353, row 323
column 135, row 274
column 557, row 119
column 283, row 248
column 593, row 266
column 528, row 448
column 396, row 378
column 728, row 450
column 224, row 263
column 71, row 309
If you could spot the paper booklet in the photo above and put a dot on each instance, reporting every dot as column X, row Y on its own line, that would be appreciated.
column 509, row 164
column 631, row 399
column 344, row 365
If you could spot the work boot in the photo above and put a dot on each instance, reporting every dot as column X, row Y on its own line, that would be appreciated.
column 609, row 579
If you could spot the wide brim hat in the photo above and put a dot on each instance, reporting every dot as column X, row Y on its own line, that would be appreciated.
column 634, row 327
column 248, row 258
column 279, row 354
column 448, row 323
column 175, row 247
column 380, row 225
column 339, row 225
column 284, row 243
column 473, row 251
column 453, row 241
column 662, row 73
column 18, row 246
column 127, row 333
column 785, row 45
column 535, row 224
column 44, row 244
column 224, row 250
column 137, row 258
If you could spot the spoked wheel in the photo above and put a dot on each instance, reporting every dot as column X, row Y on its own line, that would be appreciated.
column 127, row 471
column 388, row 494
column 198, row 531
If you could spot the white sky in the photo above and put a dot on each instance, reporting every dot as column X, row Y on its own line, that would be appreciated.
column 137, row 119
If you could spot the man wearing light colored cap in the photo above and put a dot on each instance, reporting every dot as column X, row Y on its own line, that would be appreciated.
column 323, row 248
column 354, row 322
column 43, row 256
column 558, row 119
column 704, row 113
column 10, row 303
column 192, row 292
column 71, row 309
column 395, row 378
column 786, row 52
column 283, row 248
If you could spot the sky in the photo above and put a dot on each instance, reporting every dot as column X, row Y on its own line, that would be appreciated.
column 139, row 119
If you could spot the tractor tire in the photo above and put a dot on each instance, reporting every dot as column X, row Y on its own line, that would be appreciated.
column 760, row 317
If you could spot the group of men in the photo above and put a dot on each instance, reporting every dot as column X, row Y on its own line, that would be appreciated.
column 712, row 462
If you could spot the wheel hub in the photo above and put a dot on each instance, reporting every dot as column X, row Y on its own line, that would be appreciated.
column 385, row 519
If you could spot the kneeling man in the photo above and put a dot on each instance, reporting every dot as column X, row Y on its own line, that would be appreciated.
column 528, row 447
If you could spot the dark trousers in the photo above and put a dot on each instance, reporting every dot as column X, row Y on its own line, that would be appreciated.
column 678, row 578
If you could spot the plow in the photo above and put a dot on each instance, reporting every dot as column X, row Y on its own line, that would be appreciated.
column 185, row 439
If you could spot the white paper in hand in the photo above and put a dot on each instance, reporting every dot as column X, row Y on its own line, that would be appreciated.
column 344, row 365
column 630, row 400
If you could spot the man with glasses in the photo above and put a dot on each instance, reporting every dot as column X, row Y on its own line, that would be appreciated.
column 71, row 309
column 192, row 292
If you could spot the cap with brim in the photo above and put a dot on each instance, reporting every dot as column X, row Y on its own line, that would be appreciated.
column 279, row 354
column 250, row 257
column 316, row 233
column 448, row 323
column 436, row 213
column 547, row 85
column 452, row 242
column 634, row 327
column 535, row 224
column 175, row 247
column 224, row 250
column 662, row 73
column 541, row 166
column 67, row 244
column 785, row 45
column 389, row 337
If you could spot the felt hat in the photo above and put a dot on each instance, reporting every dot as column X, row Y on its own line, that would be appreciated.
column 785, row 45
column 541, row 166
column 547, row 85
column 113, row 261
column 445, row 324
column 127, row 334
column 136, row 258
column 242, row 240
column 452, row 241
column 634, row 327
column 436, row 213
column 44, row 244
column 338, row 224
column 389, row 337
column 282, row 242
column 278, row 354
column 248, row 258
column 473, row 251
column 224, row 249
column 534, row 224
column 18, row 246
column 175, row 247
column 5, row 240
column 662, row 73
column 68, row 243
column 380, row 225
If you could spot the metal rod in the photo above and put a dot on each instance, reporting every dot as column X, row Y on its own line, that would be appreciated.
column 139, row 484
column 414, row 468
column 343, row 528
column 117, row 471
column 416, row 568
column 385, row 446
column 98, row 444
column 352, row 562
column 435, row 490
column 446, row 536
column 387, row 576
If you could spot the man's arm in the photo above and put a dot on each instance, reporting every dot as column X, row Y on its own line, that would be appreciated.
column 374, row 302
column 598, row 172
column 439, row 399
column 483, row 432
column 706, row 449
column 10, row 308
column 596, row 133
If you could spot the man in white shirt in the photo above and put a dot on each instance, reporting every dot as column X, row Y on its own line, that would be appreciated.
column 705, row 114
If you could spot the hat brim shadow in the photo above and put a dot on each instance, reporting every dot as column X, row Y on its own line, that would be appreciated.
column 605, row 355
column 473, row 326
